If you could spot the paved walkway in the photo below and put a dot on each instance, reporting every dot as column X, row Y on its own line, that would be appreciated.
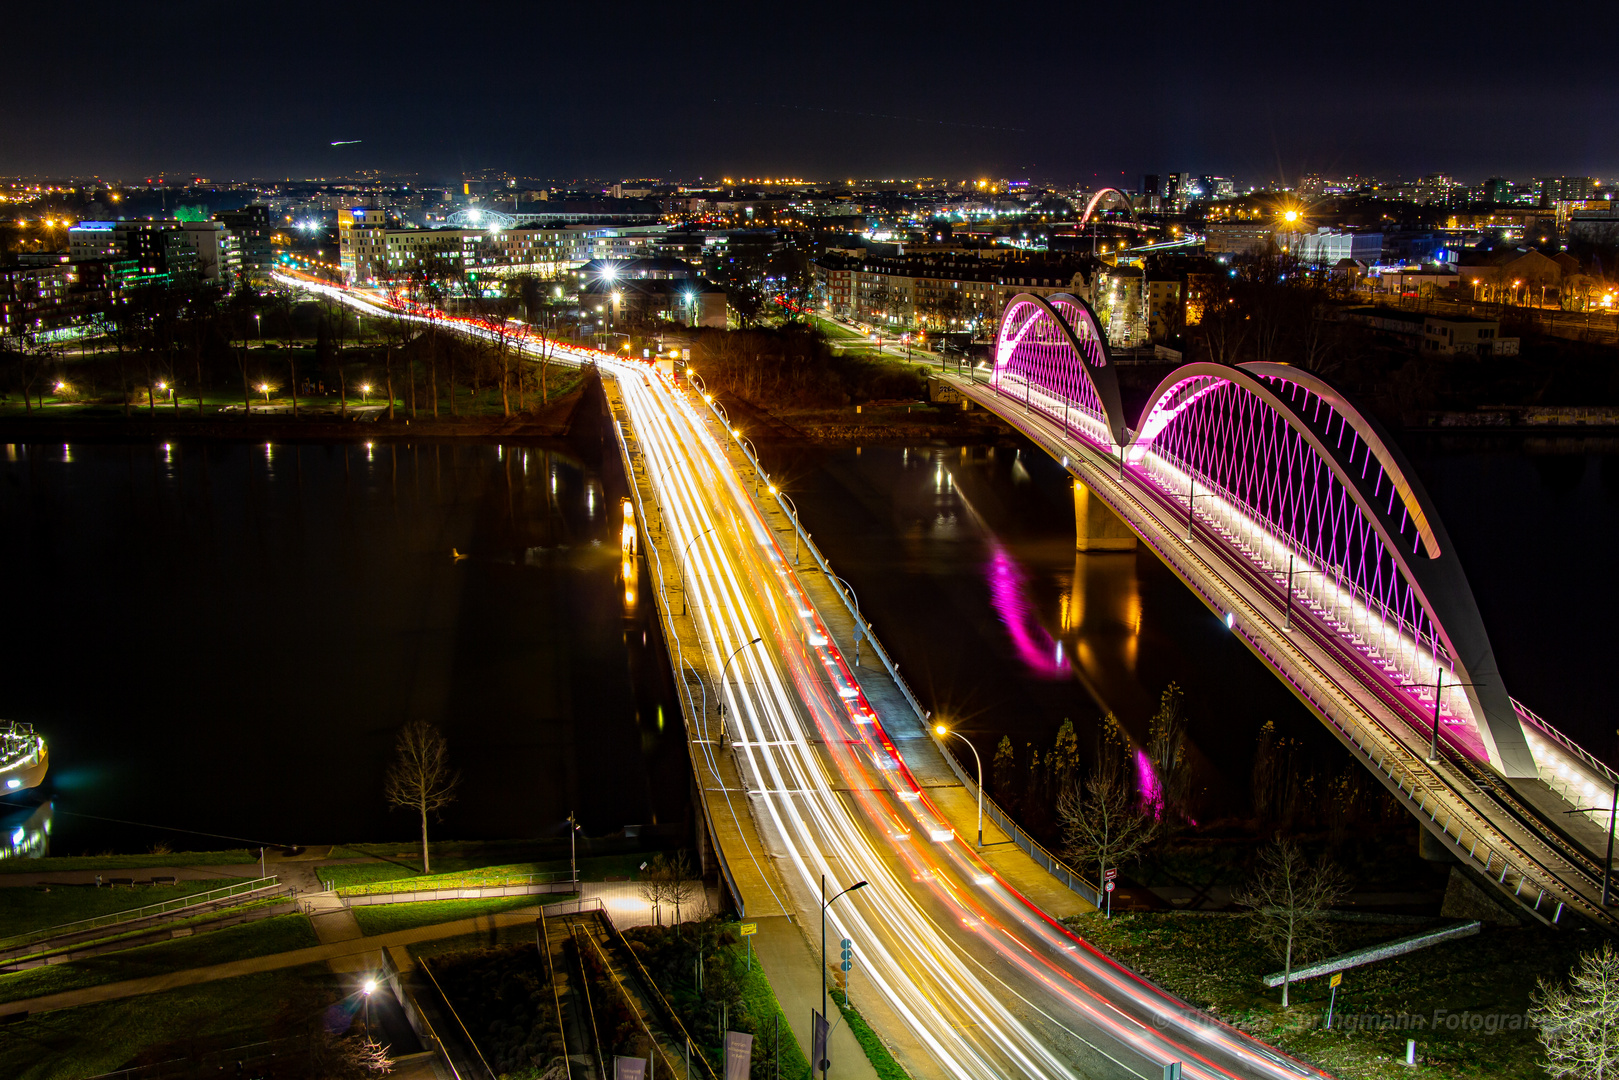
column 780, row 948
column 342, row 947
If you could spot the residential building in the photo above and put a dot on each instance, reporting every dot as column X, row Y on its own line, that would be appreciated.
column 1327, row 246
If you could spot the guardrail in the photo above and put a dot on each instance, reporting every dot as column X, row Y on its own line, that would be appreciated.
column 507, row 879
column 1035, row 850
column 1382, row 751
column 411, row 896
column 179, row 903
column 1043, row 858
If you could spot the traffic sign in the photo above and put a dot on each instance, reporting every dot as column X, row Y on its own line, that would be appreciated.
column 1336, row 979
column 749, row 929
column 1109, row 886
column 1110, row 874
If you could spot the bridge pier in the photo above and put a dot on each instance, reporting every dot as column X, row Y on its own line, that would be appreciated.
column 1096, row 526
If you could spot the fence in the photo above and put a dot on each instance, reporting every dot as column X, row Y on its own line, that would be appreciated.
column 1042, row 858
column 407, row 896
column 179, row 903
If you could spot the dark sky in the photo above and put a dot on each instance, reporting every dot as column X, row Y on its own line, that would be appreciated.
column 616, row 89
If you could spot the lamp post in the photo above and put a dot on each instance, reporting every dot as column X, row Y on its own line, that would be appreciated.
column 858, row 618
column 725, row 669
column 825, row 903
column 573, row 847
column 1438, row 700
column 1287, row 622
column 370, row 988
column 942, row 731
column 685, row 603
column 365, row 393
column 792, row 509
column 1607, row 867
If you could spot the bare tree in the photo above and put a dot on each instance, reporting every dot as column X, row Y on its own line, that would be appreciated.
column 683, row 885
column 1287, row 900
column 420, row 776
column 653, row 885
column 1104, row 823
column 1579, row 1023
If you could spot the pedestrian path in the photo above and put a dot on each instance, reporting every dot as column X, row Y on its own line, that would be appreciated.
column 343, row 947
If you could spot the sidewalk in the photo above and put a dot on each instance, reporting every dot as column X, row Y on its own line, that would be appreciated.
column 343, row 948
column 780, row 949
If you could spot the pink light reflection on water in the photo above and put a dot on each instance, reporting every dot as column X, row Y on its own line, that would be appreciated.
column 1009, row 595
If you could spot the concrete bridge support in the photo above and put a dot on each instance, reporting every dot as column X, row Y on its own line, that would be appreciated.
column 1096, row 526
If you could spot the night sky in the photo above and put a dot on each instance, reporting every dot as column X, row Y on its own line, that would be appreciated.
column 1062, row 92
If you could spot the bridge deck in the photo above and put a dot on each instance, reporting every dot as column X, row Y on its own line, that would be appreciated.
column 1498, row 829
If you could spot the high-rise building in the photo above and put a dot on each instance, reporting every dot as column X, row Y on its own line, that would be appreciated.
column 1566, row 188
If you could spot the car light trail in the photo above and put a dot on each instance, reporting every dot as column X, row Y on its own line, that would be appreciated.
column 833, row 795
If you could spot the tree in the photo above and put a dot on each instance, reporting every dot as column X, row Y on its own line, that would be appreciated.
column 1166, row 748
column 1104, row 823
column 1287, row 900
column 420, row 776
column 683, row 885
column 1579, row 1023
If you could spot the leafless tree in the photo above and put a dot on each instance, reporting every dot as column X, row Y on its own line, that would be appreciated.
column 1287, row 900
column 420, row 776
column 1104, row 824
column 1579, row 1023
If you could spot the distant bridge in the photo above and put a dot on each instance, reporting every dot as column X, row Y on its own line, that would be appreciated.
column 1299, row 522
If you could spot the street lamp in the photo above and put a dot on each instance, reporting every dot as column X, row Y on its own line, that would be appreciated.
column 941, row 731
column 825, row 903
column 365, row 392
column 684, row 601
column 370, row 988
column 258, row 321
column 264, row 388
column 858, row 618
column 723, row 670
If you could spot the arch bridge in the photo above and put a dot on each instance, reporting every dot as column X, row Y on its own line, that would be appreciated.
column 1298, row 521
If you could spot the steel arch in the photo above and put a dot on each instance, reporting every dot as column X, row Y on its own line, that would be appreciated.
column 1095, row 200
column 1051, row 352
column 1284, row 445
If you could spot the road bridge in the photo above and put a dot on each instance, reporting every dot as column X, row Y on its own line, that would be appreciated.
column 1298, row 521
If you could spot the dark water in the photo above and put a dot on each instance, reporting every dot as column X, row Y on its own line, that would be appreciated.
column 226, row 637
column 963, row 559
column 1535, row 521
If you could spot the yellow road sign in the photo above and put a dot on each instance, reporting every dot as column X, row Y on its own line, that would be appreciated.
column 1336, row 979
column 751, row 928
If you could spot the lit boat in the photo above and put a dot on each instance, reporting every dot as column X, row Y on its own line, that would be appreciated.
column 23, row 757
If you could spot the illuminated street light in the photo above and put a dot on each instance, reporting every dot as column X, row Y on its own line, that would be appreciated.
column 365, row 392
column 264, row 388
column 941, row 731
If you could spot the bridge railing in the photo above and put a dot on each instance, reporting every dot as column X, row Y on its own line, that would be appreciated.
column 1381, row 750
column 672, row 637
column 1036, row 851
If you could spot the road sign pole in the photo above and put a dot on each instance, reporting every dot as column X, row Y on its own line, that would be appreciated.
column 1333, row 1000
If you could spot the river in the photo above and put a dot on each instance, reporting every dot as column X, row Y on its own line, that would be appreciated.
column 225, row 638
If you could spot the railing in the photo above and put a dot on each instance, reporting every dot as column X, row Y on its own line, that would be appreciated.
column 1381, row 750
column 539, row 877
column 1565, row 742
column 179, row 903
column 672, row 638
column 1042, row 858
column 472, row 892
column 472, row 1044
column 657, row 995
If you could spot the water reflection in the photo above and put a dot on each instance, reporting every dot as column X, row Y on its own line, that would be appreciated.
column 26, row 833
column 226, row 636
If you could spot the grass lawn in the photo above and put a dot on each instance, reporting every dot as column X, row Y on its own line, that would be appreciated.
column 23, row 909
column 386, row 918
column 282, row 933
column 94, row 1039
column 876, row 1052
column 1209, row 960
column 463, row 865
column 110, row 861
